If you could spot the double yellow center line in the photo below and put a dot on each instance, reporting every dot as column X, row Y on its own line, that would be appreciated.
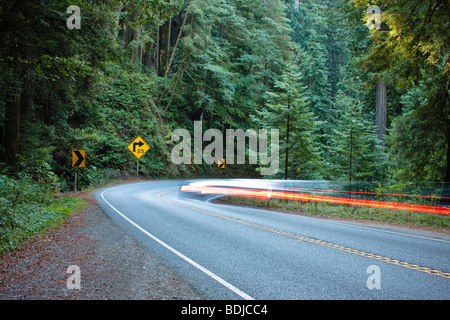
column 314, row 241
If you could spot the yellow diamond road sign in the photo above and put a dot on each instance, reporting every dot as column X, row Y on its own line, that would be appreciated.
column 138, row 147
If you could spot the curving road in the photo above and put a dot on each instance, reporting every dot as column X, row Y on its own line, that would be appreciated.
column 229, row 252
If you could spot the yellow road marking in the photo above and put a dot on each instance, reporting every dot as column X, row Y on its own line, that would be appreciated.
column 315, row 241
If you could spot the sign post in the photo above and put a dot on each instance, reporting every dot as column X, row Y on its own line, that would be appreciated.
column 138, row 148
column 76, row 176
column 78, row 161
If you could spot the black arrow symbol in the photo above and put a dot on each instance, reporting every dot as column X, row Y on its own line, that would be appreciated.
column 140, row 144
column 80, row 158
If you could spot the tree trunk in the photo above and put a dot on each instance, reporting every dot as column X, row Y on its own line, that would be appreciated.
column 157, row 51
column 286, row 160
column 11, row 136
column 445, row 104
column 169, row 31
column 141, row 50
column 446, row 187
column 163, row 45
column 443, row 99
column 136, row 57
column 447, row 173
column 350, row 163
column 169, row 63
column 380, row 108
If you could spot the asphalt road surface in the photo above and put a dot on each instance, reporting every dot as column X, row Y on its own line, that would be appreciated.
column 229, row 252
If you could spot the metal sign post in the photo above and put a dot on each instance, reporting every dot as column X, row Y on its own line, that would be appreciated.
column 76, row 176
column 138, row 148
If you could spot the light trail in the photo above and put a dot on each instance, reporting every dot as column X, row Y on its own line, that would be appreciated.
column 290, row 195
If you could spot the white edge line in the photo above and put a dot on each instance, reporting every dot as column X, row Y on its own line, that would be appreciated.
column 182, row 256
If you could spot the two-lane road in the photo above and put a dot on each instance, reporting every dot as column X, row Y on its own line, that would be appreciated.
column 229, row 252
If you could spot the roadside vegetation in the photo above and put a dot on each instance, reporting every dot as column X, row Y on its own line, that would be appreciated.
column 322, row 209
column 28, row 208
column 32, row 203
column 350, row 102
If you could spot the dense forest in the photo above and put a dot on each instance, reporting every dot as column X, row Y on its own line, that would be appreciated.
column 352, row 100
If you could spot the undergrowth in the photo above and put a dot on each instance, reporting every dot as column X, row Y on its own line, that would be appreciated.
column 28, row 208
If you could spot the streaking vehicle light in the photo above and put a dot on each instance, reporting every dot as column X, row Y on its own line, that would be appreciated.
column 242, row 189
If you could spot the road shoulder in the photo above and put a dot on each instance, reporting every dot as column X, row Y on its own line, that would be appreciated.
column 111, row 264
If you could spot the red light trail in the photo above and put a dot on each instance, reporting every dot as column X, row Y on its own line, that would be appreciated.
column 268, row 194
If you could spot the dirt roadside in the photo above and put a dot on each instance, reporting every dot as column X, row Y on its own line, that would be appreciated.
column 112, row 266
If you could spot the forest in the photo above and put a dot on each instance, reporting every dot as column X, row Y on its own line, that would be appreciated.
column 355, row 96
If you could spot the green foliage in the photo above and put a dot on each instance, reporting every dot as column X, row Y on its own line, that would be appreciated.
column 148, row 67
column 423, row 144
column 411, row 51
column 27, row 207
column 310, row 26
column 287, row 111
column 145, row 68
column 354, row 150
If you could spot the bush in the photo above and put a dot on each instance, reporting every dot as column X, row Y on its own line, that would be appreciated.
column 27, row 207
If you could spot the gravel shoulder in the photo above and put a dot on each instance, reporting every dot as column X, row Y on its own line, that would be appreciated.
column 112, row 265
